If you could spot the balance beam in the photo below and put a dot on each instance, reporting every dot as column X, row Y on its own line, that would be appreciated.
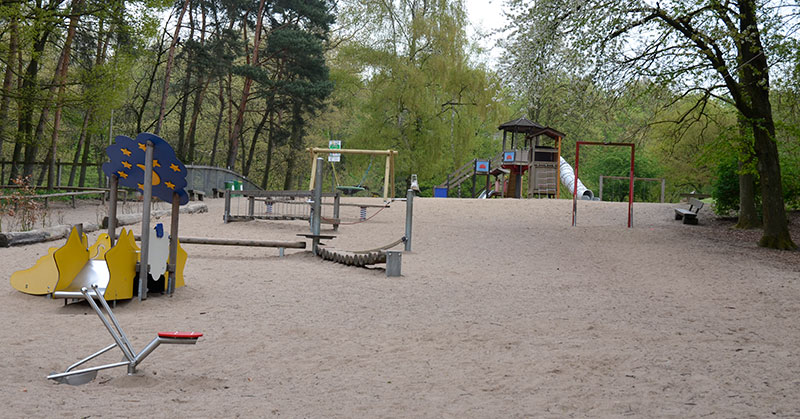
column 238, row 242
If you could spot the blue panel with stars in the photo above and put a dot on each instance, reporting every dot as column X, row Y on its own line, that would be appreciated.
column 127, row 163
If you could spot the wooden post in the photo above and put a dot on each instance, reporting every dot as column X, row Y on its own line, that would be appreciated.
column 313, row 171
column 558, row 168
column 394, row 154
column 113, row 184
column 663, row 188
column 251, row 206
column 173, row 243
column 387, row 174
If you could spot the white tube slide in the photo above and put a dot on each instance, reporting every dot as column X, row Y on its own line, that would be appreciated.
column 568, row 180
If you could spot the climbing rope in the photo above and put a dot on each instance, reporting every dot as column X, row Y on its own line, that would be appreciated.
column 388, row 246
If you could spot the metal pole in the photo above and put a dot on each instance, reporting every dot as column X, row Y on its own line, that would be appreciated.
column 317, row 206
column 601, row 187
column 147, row 189
column 227, row 213
column 409, row 216
column 575, row 187
column 173, row 243
column 488, row 170
column 112, row 208
column 336, row 201
column 630, row 191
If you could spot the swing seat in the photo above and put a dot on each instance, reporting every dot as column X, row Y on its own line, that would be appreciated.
column 350, row 190
column 180, row 335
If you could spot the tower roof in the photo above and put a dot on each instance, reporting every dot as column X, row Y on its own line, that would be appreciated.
column 527, row 126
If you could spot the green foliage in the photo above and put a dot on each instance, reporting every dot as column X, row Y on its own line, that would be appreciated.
column 417, row 92
column 616, row 161
column 726, row 185
column 690, row 138
column 790, row 175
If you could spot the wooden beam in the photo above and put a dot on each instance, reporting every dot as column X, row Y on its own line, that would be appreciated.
column 317, row 150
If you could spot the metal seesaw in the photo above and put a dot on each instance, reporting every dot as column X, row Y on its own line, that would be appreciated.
column 131, row 358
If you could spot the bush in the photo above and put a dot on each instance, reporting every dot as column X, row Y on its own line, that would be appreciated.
column 726, row 186
column 22, row 206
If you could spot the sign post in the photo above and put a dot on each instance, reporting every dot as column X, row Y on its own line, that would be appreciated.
column 335, row 145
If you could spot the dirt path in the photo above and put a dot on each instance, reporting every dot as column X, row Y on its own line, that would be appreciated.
column 503, row 310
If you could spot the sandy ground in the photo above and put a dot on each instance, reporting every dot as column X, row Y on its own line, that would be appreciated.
column 503, row 310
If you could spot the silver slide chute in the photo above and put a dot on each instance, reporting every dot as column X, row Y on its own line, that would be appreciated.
column 568, row 180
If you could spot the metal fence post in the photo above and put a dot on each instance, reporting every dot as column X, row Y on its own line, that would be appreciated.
column 144, row 265
column 409, row 216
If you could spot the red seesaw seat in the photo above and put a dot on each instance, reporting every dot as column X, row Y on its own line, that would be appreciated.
column 180, row 335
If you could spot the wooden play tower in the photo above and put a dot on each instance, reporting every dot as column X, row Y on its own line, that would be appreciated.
column 532, row 148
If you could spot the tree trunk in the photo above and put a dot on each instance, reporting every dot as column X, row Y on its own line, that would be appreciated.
column 248, row 82
column 85, row 160
column 256, row 134
column 61, row 82
column 201, row 87
column 149, row 91
column 28, row 98
column 77, row 156
column 197, row 107
column 18, row 139
column 170, row 58
column 295, row 143
column 219, row 121
column 187, row 89
column 755, row 81
column 748, row 217
column 270, row 142
column 8, row 80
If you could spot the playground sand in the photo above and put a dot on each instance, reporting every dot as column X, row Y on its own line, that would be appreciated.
column 503, row 310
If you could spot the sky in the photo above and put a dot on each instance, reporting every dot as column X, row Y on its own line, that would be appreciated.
column 484, row 16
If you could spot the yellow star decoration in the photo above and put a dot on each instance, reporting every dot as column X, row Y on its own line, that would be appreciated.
column 126, row 152
column 155, row 163
column 143, row 147
column 140, row 186
column 169, row 185
column 122, row 174
column 126, row 164
column 174, row 167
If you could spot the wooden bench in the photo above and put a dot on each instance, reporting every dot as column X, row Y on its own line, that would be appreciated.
column 689, row 216
column 196, row 194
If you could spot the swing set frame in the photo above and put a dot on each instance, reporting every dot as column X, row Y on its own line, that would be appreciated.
column 388, row 179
